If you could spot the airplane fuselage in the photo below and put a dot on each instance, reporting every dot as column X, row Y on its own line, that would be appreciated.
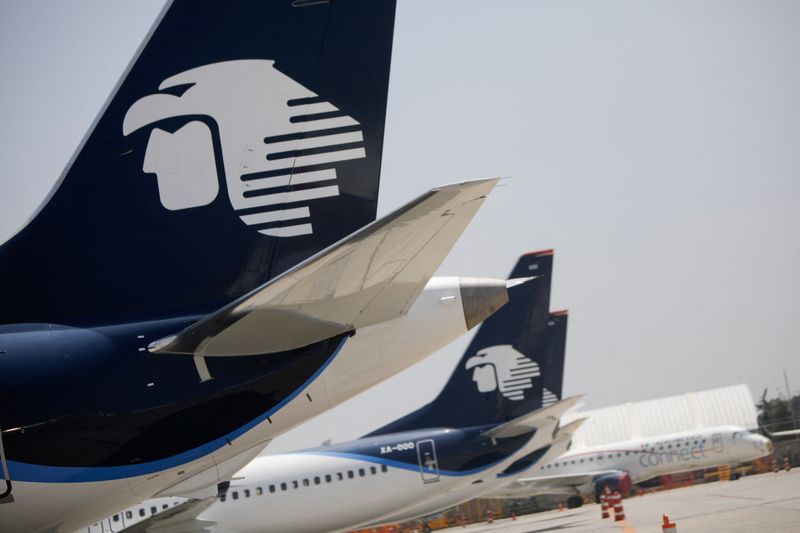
column 350, row 484
column 129, row 424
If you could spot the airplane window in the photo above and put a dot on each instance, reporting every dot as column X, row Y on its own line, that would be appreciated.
column 619, row 454
column 272, row 488
column 116, row 518
column 141, row 512
column 350, row 474
column 128, row 514
column 153, row 509
column 695, row 443
column 339, row 476
column 670, row 446
column 660, row 447
column 235, row 495
column 627, row 453
column 283, row 486
column 591, row 458
column 246, row 493
column 610, row 455
column 384, row 468
column 373, row 470
column 316, row 480
column 581, row 460
column 678, row 445
column 259, row 491
column 327, row 478
column 295, row 484
column 361, row 472
column 165, row 506
column 306, row 483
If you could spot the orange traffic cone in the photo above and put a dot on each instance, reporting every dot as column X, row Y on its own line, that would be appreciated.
column 513, row 516
column 786, row 465
column 604, row 505
column 619, row 512
column 667, row 526
column 561, row 507
column 775, row 466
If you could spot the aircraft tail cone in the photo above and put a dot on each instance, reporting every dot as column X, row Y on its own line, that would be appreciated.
column 481, row 297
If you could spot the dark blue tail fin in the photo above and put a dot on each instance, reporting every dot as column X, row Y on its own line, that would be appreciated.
column 244, row 137
column 512, row 358
column 553, row 361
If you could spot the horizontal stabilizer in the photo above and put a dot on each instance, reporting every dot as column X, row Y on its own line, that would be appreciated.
column 568, row 430
column 371, row 276
column 533, row 420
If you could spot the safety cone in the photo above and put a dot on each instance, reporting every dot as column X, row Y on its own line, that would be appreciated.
column 561, row 507
column 667, row 526
column 513, row 516
column 786, row 465
column 619, row 512
column 640, row 492
column 604, row 505
column 775, row 466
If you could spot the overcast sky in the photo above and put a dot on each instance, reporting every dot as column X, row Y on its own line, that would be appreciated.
column 654, row 145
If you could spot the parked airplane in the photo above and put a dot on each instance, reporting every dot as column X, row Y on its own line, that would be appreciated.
column 484, row 420
column 159, row 315
column 620, row 465
column 551, row 440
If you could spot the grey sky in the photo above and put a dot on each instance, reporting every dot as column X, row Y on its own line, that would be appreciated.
column 654, row 145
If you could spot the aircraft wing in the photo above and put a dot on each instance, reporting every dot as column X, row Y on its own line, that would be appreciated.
column 533, row 420
column 179, row 519
column 373, row 275
column 565, row 481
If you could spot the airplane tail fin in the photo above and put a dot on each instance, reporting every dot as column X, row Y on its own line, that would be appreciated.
column 243, row 138
column 504, row 371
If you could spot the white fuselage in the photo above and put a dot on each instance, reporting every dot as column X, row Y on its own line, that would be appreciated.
column 372, row 355
column 645, row 459
column 349, row 490
column 304, row 493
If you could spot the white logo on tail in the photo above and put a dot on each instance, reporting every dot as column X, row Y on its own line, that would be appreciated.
column 505, row 368
column 271, row 129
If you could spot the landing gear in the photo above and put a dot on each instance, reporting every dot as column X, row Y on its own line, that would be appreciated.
column 573, row 502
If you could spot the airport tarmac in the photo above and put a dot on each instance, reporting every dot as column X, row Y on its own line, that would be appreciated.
column 766, row 502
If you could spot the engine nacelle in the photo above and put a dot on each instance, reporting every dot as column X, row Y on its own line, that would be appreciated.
column 620, row 481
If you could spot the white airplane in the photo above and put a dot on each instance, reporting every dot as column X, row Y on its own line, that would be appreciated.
column 488, row 419
column 621, row 465
column 197, row 282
